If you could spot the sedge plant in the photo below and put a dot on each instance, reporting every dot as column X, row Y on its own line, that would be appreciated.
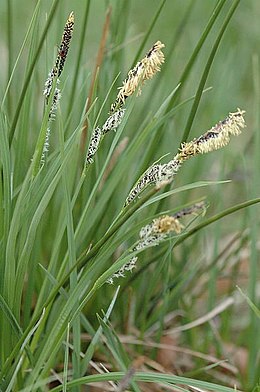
column 113, row 252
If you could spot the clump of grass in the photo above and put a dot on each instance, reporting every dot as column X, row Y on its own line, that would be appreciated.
column 64, row 233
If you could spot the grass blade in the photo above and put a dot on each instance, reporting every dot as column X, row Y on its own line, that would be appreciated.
column 206, row 71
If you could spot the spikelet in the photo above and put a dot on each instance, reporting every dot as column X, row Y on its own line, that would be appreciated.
column 46, row 146
column 49, row 82
column 157, row 231
column 113, row 121
column 153, row 60
column 144, row 70
column 61, row 56
column 55, row 73
column 111, row 124
column 155, row 174
column 93, row 144
column 129, row 266
column 65, row 43
column 167, row 224
column 217, row 137
column 55, row 103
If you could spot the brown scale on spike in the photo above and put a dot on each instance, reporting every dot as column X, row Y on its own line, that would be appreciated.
column 65, row 43
column 61, row 56
column 144, row 70
column 215, row 138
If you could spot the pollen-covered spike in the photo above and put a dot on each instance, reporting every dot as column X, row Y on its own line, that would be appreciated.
column 156, row 232
column 153, row 60
column 55, row 103
column 149, row 177
column 111, row 124
column 144, row 70
column 45, row 147
column 217, row 137
column 166, row 223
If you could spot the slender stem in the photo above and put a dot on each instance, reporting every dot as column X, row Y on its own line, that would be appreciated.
column 147, row 377
column 99, row 61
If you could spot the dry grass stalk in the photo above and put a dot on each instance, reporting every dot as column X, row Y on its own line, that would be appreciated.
column 99, row 61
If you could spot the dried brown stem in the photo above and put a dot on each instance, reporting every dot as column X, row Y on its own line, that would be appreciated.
column 99, row 61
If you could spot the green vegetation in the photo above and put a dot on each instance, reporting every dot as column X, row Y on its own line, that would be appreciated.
column 79, row 211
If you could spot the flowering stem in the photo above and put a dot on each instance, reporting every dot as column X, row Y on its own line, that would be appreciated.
column 194, row 230
column 215, row 138
column 215, row 218
column 42, row 135
column 98, row 64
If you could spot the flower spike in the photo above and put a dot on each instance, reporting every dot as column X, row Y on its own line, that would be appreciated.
column 157, row 231
column 144, row 70
column 217, row 137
